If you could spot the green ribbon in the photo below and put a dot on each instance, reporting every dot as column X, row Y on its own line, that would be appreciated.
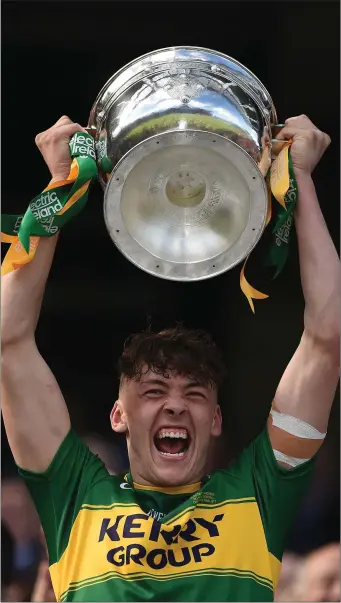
column 284, row 222
column 41, row 218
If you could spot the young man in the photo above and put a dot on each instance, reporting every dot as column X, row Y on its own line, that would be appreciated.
column 168, row 531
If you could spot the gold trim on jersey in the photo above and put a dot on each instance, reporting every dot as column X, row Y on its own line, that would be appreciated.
column 144, row 575
column 187, row 489
column 275, row 565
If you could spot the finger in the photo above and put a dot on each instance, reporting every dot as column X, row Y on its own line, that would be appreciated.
column 70, row 129
column 300, row 121
column 62, row 121
column 60, row 133
column 312, row 135
column 289, row 132
column 286, row 133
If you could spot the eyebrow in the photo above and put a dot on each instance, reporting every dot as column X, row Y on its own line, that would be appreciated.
column 162, row 383
column 154, row 382
column 194, row 384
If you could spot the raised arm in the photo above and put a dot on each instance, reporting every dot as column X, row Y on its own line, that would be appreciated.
column 307, row 388
column 34, row 411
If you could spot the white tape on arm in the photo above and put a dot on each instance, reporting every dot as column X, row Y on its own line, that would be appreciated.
column 293, row 441
column 295, row 426
column 292, row 461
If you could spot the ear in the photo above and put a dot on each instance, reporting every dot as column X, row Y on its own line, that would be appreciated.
column 217, row 422
column 118, row 418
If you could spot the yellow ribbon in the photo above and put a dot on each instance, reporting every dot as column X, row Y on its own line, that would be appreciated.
column 279, row 175
column 278, row 185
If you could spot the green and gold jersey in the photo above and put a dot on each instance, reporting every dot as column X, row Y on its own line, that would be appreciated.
column 112, row 540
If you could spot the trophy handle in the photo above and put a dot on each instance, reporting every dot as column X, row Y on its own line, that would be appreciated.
column 270, row 151
column 277, row 145
column 92, row 131
column 275, row 129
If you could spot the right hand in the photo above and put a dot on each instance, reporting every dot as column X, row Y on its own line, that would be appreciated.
column 54, row 147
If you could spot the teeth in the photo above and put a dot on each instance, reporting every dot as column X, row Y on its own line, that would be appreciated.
column 172, row 453
column 172, row 434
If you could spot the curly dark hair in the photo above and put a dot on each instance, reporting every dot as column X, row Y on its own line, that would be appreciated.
column 176, row 350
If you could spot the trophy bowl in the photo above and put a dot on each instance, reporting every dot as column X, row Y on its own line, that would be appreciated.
column 182, row 136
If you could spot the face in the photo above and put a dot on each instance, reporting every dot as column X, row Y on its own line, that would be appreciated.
column 323, row 575
column 169, row 424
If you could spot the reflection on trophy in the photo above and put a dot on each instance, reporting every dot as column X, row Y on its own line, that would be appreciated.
column 184, row 140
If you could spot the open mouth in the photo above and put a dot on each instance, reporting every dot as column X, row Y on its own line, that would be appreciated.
column 172, row 442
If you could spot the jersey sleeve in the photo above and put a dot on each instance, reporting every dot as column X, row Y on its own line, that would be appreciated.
column 58, row 493
column 279, row 491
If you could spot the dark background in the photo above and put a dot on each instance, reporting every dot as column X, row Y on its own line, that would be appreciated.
column 56, row 56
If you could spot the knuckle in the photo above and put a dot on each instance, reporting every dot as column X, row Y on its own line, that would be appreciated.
column 319, row 136
column 54, row 135
column 311, row 135
column 40, row 139
column 299, row 121
column 306, row 120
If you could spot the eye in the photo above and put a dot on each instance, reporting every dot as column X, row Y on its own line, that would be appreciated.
column 196, row 394
column 154, row 392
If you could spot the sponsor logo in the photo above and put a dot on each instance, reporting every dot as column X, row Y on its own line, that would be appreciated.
column 158, row 558
column 156, row 514
column 44, row 209
column 205, row 498
column 101, row 148
column 188, row 545
column 17, row 225
column 82, row 144
column 283, row 233
column 46, row 205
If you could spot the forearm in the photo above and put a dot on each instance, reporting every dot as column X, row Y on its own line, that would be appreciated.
column 319, row 265
column 22, row 292
column 33, row 408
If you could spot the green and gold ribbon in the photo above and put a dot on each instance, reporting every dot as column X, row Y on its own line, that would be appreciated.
column 284, row 189
column 53, row 208
column 282, row 185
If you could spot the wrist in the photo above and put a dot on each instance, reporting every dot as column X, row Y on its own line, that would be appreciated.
column 58, row 178
column 302, row 175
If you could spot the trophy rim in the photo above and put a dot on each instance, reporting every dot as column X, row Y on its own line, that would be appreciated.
column 272, row 114
column 193, row 270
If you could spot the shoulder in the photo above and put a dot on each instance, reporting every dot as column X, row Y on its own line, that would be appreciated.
column 110, row 491
column 234, row 482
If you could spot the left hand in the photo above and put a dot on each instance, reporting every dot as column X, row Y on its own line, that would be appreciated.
column 309, row 143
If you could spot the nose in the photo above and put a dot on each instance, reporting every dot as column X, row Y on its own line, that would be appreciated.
column 175, row 407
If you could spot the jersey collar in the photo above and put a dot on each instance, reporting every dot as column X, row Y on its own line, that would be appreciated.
column 186, row 489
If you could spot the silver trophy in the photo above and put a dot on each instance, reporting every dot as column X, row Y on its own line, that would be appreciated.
column 184, row 140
